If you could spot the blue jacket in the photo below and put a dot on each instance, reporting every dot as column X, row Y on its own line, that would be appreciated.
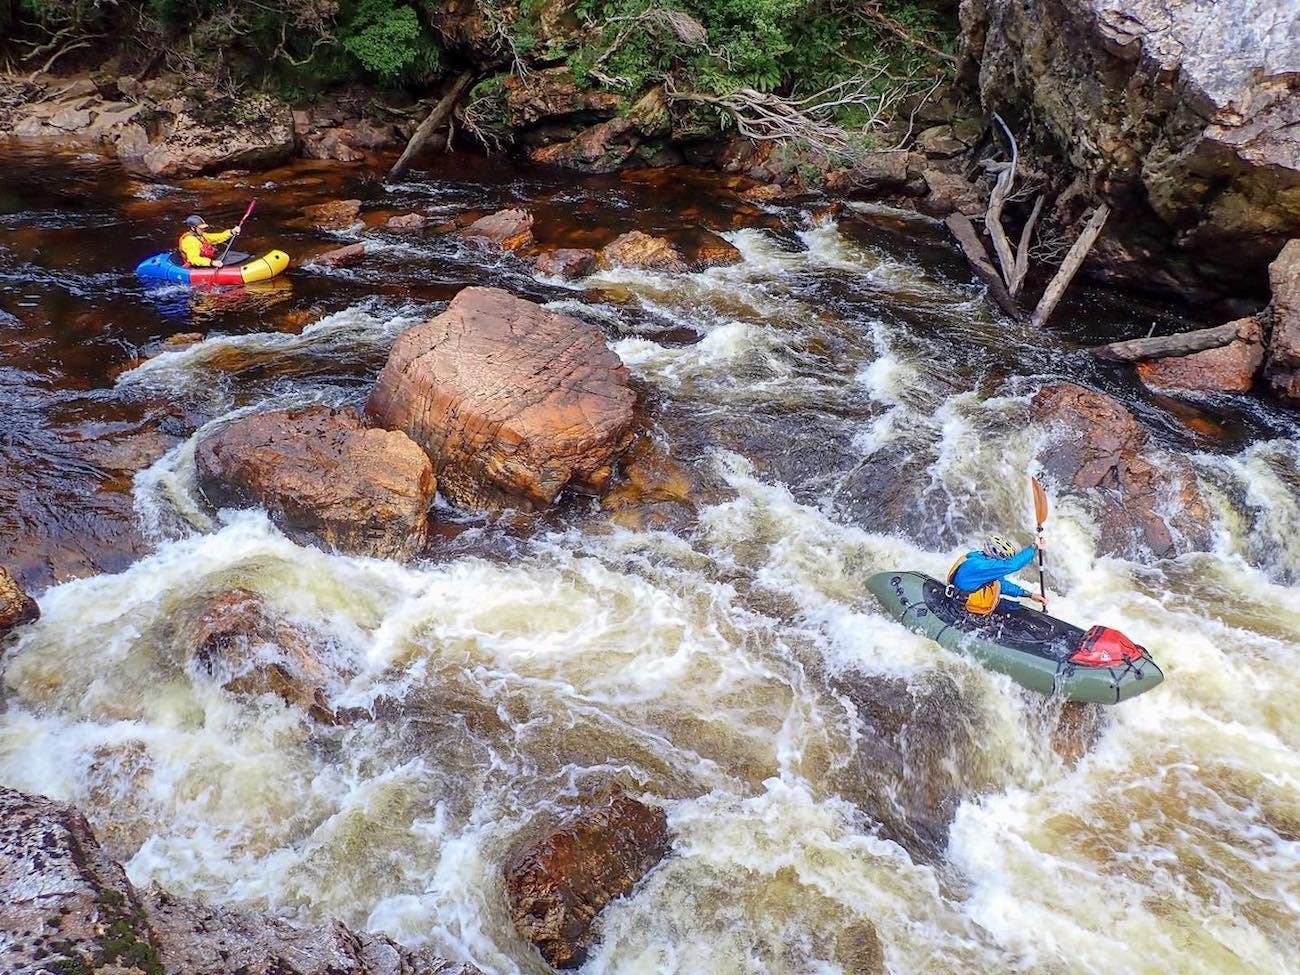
column 979, row 570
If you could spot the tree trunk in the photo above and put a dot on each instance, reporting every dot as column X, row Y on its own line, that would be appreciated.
column 441, row 112
column 1070, row 266
column 1164, row 346
column 964, row 231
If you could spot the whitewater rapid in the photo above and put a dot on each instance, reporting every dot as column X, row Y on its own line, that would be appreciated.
column 693, row 668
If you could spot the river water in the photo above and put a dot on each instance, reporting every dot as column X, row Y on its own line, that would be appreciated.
column 846, row 403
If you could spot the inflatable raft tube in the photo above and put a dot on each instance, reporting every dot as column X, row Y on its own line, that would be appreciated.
column 163, row 267
column 1038, row 651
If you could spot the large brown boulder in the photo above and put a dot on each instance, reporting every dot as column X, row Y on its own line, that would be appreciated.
column 1148, row 499
column 66, row 907
column 342, row 256
column 506, row 230
column 16, row 607
column 255, row 133
column 1228, row 369
column 1181, row 115
column 324, row 479
column 1284, row 345
column 568, row 263
column 558, row 884
column 642, row 251
column 513, row 402
column 237, row 641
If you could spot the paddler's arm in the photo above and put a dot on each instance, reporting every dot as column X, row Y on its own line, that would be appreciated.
column 220, row 237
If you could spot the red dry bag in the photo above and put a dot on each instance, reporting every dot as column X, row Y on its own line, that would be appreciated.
column 1103, row 647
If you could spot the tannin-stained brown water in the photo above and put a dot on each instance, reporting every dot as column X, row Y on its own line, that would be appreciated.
column 847, row 403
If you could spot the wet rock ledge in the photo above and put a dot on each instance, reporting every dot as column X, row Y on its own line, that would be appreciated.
column 66, row 907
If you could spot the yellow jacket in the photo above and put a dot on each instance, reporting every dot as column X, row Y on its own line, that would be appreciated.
column 192, row 247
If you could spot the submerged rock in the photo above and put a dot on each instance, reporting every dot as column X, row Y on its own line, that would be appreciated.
column 1181, row 115
column 16, row 607
column 66, row 907
column 507, row 230
column 568, row 263
column 1284, row 346
column 237, row 641
column 1228, row 369
column 513, row 403
column 1149, row 499
column 324, row 479
column 641, row 251
column 407, row 221
column 341, row 256
column 333, row 214
column 919, row 755
column 557, row 885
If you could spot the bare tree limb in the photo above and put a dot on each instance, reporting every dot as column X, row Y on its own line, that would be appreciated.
column 1017, row 282
column 1069, row 267
column 964, row 231
column 872, row 10
column 435, row 118
column 1163, row 346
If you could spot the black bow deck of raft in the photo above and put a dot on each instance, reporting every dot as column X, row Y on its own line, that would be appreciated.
column 1032, row 648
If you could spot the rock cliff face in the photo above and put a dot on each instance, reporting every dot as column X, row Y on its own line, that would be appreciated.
column 1183, row 114
column 66, row 907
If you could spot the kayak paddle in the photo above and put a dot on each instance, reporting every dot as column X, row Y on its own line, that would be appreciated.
column 247, row 213
column 1040, row 512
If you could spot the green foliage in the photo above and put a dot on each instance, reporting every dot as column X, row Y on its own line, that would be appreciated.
column 389, row 42
column 768, row 45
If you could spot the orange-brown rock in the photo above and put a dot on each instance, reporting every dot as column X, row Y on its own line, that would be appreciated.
column 16, row 607
column 1284, row 345
column 324, row 479
column 1230, row 368
column 513, row 402
column 639, row 250
column 557, row 885
column 714, row 251
column 341, row 256
column 763, row 193
column 407, row 221
column 507, row 230
column 567, row 262
column 1076, row 730
column 1098, row 448
column 184, row 338
column 334, row 215
column 238, row 642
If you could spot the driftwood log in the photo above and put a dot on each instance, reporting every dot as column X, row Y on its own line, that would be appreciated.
column 1069, row 267
column 441, row 112
column 1166, row 346
column 964, row 232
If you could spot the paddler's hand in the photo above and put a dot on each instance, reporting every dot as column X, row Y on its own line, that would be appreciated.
column 236, row 231
column 217, row 264
column 1041, row 600
column 1040, row 543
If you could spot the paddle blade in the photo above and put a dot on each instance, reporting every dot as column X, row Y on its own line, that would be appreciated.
column 1040, row 501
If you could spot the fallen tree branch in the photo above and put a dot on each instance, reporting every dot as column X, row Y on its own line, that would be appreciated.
column 1069, row 267
column 872, row 10
column 964, row 231
column 441, row 112
column 1166, row 346
column 1017, row 282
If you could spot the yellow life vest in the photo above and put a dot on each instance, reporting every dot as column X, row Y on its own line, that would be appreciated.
column 984, row 599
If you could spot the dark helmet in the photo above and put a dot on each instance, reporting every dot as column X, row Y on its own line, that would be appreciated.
column 194, row 221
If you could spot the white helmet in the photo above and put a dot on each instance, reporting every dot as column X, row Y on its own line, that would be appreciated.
column 999, row 547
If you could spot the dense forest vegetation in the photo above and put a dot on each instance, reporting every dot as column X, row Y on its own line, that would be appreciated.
column 859, row 54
